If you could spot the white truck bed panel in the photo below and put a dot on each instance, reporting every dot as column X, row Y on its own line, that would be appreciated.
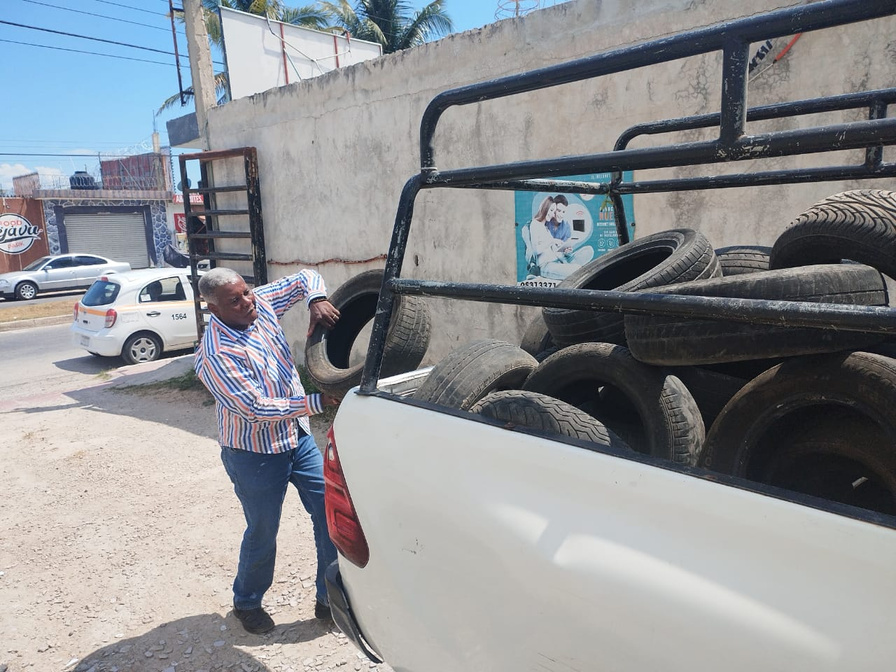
column 496, row 550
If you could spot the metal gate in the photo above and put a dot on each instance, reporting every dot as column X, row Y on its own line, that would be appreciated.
column 230, row 231
column 121, row 236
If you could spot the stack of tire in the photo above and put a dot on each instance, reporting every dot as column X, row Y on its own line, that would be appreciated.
column 805, row 409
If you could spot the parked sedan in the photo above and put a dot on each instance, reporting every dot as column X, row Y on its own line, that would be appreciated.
column 56, row 273
column 137, row 315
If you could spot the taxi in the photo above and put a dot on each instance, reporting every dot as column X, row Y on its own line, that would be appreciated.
column 137, row 315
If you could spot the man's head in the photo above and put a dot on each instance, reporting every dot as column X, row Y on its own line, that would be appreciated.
column 561, row 202
column 228, row 297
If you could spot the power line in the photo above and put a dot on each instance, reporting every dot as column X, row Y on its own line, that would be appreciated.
column 80, row 156
column 101, row 16
column 91, row 53
column 80, row 143
column 86, row 37
column 136, row 9
column 95, row 39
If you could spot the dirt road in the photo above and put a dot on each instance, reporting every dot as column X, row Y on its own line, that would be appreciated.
column 118, row 540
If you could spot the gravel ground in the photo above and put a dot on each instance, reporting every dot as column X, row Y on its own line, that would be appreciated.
column 119, row 538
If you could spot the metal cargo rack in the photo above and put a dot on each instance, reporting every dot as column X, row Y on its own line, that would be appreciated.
column 733, row 39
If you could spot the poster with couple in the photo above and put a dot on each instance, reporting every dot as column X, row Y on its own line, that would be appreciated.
column 557, row 233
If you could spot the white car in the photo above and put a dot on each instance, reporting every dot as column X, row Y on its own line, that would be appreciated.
column 57, row 273
column 137, row 315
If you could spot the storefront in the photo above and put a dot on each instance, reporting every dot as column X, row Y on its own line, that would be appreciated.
column 23, row 233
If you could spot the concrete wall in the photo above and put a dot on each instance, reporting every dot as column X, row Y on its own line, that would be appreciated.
column 335, row 151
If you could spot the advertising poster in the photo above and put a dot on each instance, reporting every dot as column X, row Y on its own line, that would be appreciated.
column 557, row 233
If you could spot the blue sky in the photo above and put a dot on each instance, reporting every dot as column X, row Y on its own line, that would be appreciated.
column 63, row 101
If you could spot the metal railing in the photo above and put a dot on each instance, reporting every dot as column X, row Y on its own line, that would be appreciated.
column 733, row 39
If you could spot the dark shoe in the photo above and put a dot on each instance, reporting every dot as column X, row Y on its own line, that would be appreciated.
column 256, row 621
column 322, row 611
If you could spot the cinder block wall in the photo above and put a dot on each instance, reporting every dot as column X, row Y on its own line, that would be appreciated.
column 335, row 151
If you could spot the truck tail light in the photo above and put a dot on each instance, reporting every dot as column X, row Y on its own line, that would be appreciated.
column 342, row 520
column 75, row 315
column 111, row 316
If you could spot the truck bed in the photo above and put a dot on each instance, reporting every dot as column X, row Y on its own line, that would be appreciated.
column 498, row 550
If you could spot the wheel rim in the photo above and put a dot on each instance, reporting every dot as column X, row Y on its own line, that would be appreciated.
column 27, row 291
column 143, row 350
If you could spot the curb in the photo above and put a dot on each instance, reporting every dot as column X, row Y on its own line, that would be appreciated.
column 34, row 322
column 147, row 373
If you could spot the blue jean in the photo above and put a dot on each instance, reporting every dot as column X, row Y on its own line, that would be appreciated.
column 260, row 482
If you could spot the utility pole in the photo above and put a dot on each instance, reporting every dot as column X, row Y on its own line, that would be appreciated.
column 200, row 66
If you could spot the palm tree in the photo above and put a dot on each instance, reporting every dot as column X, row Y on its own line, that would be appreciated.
column 309, row 16
column 392, row 23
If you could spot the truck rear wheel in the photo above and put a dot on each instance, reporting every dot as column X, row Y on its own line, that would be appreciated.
column 328, row 353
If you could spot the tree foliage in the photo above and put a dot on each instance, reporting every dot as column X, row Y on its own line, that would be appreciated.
column 391, row 23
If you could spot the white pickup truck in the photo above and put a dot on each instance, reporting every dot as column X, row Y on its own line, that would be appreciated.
column 472, row 544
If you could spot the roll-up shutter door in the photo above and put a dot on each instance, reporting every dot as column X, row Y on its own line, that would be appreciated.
column 118, row 236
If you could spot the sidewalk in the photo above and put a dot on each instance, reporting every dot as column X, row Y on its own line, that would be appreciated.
column 35, row 322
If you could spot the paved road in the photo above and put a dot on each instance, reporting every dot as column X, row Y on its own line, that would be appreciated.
column 50, row 297
column 43, row 358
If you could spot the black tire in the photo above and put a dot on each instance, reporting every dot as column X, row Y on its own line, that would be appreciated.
column 839, row 457
column 327, row 352
column 664, row 258
column 779, row 416
column 710, row 389
column 545, row 415
column 141, row 347
column 474, row 370
column 25, row 291
column 858, row 225
column 537, row 338
column 740, row 259
column 682, row 341
column 669, row 420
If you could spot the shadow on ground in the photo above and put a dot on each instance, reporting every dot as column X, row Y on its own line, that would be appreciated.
column 201, row 642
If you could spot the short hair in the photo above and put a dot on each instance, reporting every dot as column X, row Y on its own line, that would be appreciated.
column 213, row 280
column 561, row 199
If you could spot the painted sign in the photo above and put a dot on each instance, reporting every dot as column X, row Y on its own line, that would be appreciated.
column 17, row 234
column 195, row 199
column 180, row 222
column 557, row 233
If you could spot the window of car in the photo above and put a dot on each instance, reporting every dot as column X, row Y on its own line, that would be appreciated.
column 36, row 264
column 87, row 260
column 61, row 262
column 101, row 293
column 166, row 289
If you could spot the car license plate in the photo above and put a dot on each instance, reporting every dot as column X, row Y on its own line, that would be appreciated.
column 85, row 341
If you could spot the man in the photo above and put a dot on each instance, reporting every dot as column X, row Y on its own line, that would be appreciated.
column 245, row 362
column 558, row 227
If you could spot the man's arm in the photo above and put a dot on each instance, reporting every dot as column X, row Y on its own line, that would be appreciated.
column 234, row 386
column 286, row 292
column 544, row 244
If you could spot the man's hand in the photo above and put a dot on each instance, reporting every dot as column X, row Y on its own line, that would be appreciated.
column 323, row 312
column 329, row 400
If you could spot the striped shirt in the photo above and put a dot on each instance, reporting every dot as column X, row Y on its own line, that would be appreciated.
column 260, row 402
